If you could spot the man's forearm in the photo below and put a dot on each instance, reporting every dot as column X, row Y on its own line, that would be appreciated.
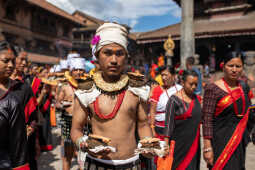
column 144, row 130
column 76, row 134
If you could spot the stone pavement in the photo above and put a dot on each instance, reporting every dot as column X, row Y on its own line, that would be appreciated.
column 52, row 160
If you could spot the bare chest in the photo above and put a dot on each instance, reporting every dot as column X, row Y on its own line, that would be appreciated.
column 69, row 94
column 120, row 110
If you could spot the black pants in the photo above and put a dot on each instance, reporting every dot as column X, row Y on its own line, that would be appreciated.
column 33, row 164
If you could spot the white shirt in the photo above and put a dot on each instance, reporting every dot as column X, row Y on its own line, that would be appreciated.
column 163, row 99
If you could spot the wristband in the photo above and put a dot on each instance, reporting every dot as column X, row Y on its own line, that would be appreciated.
column 79, row 141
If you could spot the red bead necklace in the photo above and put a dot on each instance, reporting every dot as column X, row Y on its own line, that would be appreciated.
column 115, row 109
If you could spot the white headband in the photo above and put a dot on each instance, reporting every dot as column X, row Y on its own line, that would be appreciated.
column 109, row 33
column 58, row 68
column 77, row 63
column 63, row 64
column 71, row 56
column 52, row 69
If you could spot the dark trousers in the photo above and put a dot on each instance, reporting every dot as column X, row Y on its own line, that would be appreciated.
column 33, row 164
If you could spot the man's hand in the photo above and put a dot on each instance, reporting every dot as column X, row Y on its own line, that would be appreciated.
column 44, row 90
column 166, row 150
column 100, row 155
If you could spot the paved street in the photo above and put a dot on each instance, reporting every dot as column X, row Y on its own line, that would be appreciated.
column 52, row 160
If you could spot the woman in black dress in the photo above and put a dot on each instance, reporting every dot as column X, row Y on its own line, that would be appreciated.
column 226, row 117
column 183, row 117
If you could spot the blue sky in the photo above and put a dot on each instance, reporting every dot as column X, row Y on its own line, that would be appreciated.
column 140, row 15
column 147, row 23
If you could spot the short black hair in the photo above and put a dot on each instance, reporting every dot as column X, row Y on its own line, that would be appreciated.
column 18, row 50
column 187, row 73
column 190, row 60
column 171, row 69
column 232, row 55
column 151, row 81
column 4, row 45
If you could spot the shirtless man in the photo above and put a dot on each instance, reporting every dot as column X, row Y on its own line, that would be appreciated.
column 65, row 102
column 111, row 89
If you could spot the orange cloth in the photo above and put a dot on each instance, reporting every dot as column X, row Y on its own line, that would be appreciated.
column 166, row 162
column 161, row 61
column 153, row 70
column 53, row 117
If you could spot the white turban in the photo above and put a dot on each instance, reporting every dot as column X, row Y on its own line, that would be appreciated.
column 58, row 68
column 109, row 33
column 77, row 63
column 71, row 56
column 52, row 70
column 63, row 64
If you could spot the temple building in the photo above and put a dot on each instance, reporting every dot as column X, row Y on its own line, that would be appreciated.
column 82, row 36
column 220, row 26
column 42, row 29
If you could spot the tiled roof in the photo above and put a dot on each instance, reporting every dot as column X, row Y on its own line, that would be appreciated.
column 134, row 35
column 93, row 19
column 53, row 9
column 204, row 29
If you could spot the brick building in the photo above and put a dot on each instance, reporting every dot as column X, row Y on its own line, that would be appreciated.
column 82, row 35
column 42, row 29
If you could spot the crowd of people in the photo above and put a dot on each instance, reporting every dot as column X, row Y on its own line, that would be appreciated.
column 115, row 119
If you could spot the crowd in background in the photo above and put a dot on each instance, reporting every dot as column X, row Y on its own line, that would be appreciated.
column 29, row 97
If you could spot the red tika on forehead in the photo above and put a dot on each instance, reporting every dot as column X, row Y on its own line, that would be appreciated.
column 9, row 50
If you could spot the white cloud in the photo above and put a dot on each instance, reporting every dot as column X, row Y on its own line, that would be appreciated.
column 123, row 11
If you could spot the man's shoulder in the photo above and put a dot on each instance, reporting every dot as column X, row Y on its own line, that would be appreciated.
column 85, row 84
column 131, row 95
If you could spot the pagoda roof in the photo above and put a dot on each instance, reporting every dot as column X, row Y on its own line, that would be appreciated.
column 204, row 28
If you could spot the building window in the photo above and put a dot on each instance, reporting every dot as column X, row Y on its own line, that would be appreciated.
column 10, row 12
column 52, row 27
column 66, row 31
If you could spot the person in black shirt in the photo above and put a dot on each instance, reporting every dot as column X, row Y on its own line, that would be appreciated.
column 13, row 141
